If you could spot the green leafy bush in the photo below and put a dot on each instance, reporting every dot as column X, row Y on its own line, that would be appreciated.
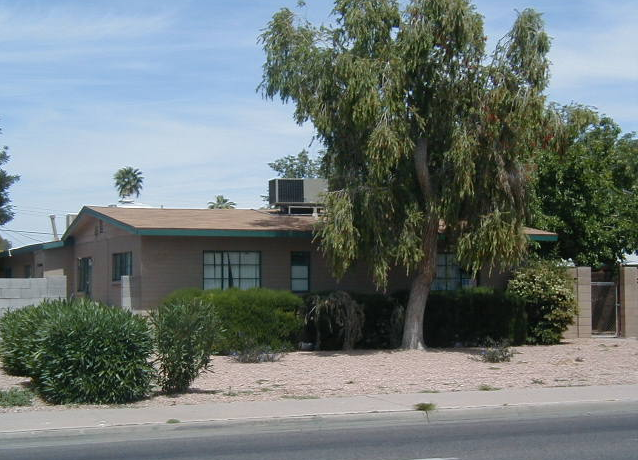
column 183, row 296
column 88, row 352
column 547, row 294
column 184, row 336
column 255, row 318
column 383, row 325
column 18, row 336
column 15, row 397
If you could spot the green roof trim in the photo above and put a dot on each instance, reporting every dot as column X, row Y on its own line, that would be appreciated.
column 226, row 233
column 543, row 237
column 37, row 247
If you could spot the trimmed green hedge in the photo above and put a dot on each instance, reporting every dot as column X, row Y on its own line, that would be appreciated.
column 249, row 319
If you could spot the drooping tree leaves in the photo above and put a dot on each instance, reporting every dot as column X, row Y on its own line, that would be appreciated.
column 420, row 127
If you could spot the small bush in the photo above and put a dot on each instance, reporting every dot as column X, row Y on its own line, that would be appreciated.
column 338, row 320
column 547, row 294
column 18, row 336
column 496, row 352
column 88, row 352
column 257, row 355
column 15, row 397
column 383, row 324
column 184, row 336
column 255, row 318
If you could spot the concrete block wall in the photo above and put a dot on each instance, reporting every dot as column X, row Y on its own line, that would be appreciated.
column 20, row 292
column 581, row 277
column 629, row 301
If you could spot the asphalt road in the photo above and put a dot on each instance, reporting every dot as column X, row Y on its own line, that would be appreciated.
column 585, row 437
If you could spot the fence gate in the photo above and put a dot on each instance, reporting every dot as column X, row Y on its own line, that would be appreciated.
column 604, row 308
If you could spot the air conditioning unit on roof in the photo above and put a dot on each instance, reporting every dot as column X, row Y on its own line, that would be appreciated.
column 296, row 192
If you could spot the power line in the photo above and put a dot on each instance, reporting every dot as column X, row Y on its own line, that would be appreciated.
column 25, row 231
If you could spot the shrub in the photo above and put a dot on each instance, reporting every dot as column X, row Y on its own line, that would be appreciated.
column 255, row 318
column 15, row 397
column 18, row 336
column 547, row 293
column 383, row 325
column 184, row 335
column 496, row 351
column 338, row 320
column 257, row 355
column 88, row 352
column 183, row 296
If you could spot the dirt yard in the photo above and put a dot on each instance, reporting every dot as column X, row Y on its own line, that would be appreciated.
column 306, row 375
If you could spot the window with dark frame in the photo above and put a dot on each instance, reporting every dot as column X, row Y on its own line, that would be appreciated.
column 228, row 269
column 300, row 271
column 27, row 271
column 449, row 275
column 84, row 274
column 122, row 265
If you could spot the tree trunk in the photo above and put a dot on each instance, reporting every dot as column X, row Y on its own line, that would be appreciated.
column 426, row 271
column 420, row 290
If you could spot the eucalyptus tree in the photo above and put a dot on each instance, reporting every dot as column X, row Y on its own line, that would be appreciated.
column 424, row 132
column 221, row 202
column 128, row 181
column 300, row 166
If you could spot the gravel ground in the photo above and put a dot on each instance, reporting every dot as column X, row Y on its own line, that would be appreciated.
column 306, row 375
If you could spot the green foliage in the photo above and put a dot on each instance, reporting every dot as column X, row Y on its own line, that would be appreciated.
column 470, row 316
column 221, row 202
column 250, row 319
column 184, row 335
column 337, row 318
column 301, row 166
column 15, row 397
column 255, row 318
column 383, row 325
column 91, row 353
column 6, row 181
column 18, row 340
column 183, row 295
column 496, row 351
column 419, row 125
column 587, row 188
column 128, row 181
column 547, row 293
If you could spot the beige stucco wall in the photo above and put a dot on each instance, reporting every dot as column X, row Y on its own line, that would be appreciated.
column 170, row 263
column 629, row 301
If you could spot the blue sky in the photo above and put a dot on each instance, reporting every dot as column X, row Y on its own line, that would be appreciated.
column 169, row 87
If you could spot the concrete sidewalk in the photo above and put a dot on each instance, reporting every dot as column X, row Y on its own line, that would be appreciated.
column 261, row 410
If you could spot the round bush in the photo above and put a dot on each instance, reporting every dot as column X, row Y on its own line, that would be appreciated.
column 18, row 336
column 88, row 352
column 184, row 340
column 548, row 296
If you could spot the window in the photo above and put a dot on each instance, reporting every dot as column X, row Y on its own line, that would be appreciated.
column 227, row 269
column 27, row 271
column 300, row 271
column 122, row 265
column 84, row 274
column 449, row 276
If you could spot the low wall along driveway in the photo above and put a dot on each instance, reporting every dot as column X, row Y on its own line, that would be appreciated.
column 20, row 292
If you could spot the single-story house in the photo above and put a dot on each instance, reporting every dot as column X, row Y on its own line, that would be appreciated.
column 160, row 250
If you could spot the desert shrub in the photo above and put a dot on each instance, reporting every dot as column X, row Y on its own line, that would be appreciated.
column 547, row 294
column 255, row 318
column 183, row 296
column 258, row 355
column 88, row 352
column 184, row 335
column 496, row 351
column 18, row 336
column 15, row 397
column 338, row 320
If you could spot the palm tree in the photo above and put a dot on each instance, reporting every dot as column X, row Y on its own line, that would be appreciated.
column 128, row 181
column 221, row 203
